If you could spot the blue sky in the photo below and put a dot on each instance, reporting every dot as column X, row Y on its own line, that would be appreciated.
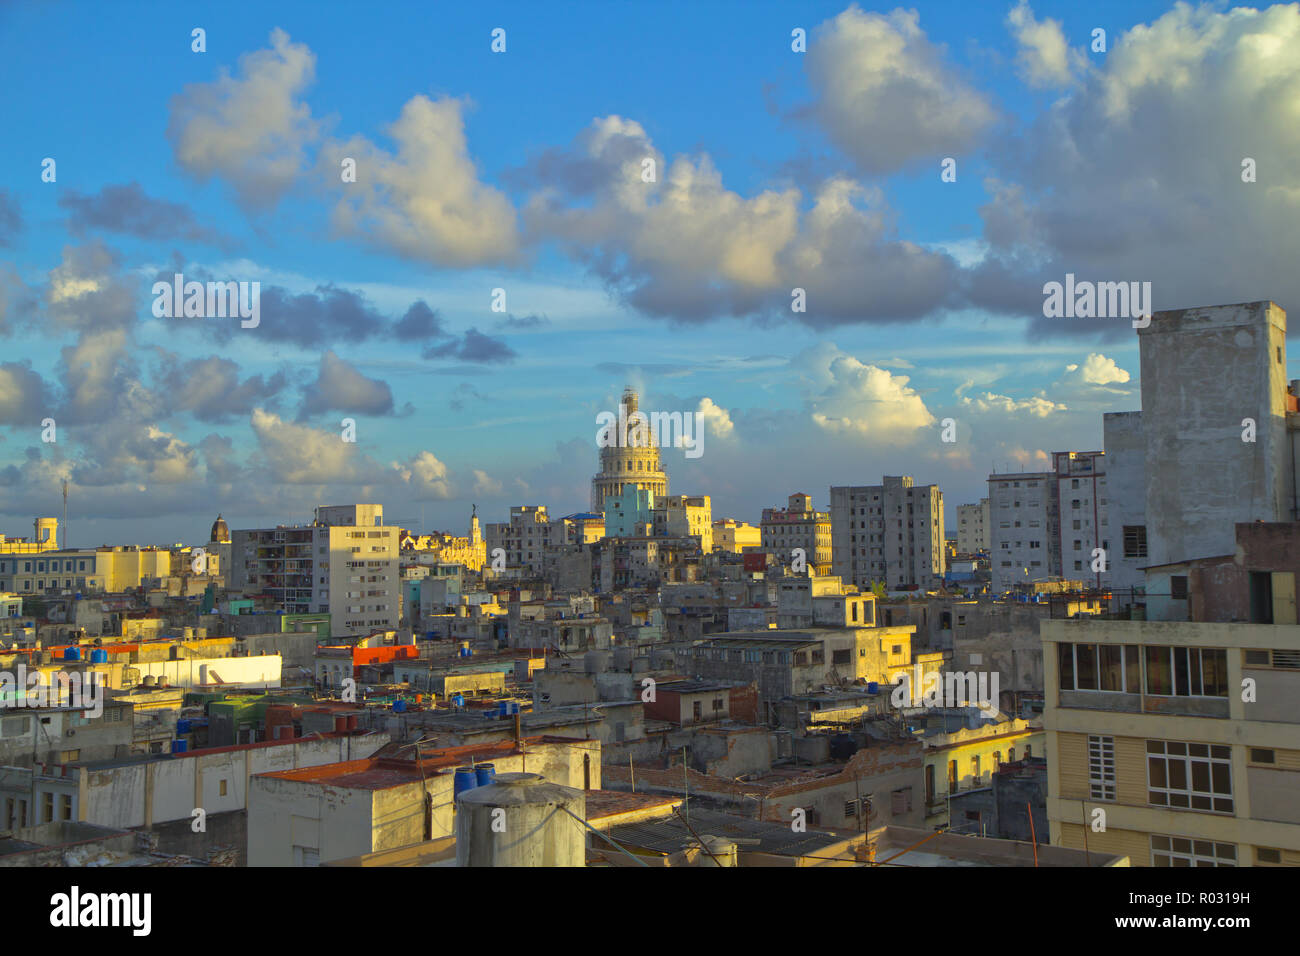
column 516, row 170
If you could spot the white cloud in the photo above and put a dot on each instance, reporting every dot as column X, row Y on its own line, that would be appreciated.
column 425, row 475
column 1096, row 369
column 485, row 484
column 1037, row 406
column 252, row 128
column 886, row 97
column 1045, row 59
column 425, row 201
column 868, row 400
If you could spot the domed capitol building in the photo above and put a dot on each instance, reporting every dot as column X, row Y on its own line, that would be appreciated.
column 631, row 461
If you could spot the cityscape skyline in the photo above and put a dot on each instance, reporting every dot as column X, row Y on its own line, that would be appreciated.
column 376, row 310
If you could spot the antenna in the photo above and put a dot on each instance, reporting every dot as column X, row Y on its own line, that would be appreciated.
column 65, row 515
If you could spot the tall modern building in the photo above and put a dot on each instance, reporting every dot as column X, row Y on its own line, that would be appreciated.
column 891, row 532
column 630, row 460
column 345, row 562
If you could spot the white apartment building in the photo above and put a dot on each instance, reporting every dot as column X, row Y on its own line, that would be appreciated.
column 1024, row 528
column 891, row 532
column 973, row 527
column 346, row 563
column 1081, row 491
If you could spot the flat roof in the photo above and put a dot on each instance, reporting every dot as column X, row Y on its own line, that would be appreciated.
column 671, row 835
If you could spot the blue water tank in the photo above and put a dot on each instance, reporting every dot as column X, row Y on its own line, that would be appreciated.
column 399, row 706
column 458, row 700
column 99, row 656
column 183, row 726
column 465, row 779
column 72, row 654
column 179, row 746
column 873, row 687
column 485, row 773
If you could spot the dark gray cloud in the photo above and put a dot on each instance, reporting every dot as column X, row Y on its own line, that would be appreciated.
column 473, row 347
column 420, row 322
column 129, row 210
column 211, row 390
column 340, row 386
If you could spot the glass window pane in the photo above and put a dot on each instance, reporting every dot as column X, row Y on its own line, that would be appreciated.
column 1112, row 676
column 1086, row 659
column 1198, row 750
column 1159, row 677
column 1065, row 655
column 1177, row 775
column 1180, row 671
column 1222, row 778
column 1157, row 768
column 1214, row 667
column 1132, row 670
column 1201, row 777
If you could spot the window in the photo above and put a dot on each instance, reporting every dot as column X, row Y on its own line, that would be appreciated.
column 901, row 801
column 1267, row 855
column 1178, row 587
column 1101, row 767
column 1258, row 755
column 1184, row 851
column 1189, row 776
column 221, row 788
column 850, row 809
column 1135, row 541
column 697, row 710
column 1187, row 672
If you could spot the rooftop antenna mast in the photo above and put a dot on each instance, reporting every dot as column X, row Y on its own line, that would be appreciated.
column 65, row 516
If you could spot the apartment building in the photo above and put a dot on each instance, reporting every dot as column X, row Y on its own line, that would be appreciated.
column 683, row 516
column 110, row 570
column 1081, row 495
column 798, row 526
column 891, row 532
column 973, row 527
column 523, row 538
column 1024, row 528
column 345, row 563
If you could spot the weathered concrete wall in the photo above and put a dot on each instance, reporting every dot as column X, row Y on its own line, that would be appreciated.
column 1126, row 496
column 157, row 791
column 1203, row 371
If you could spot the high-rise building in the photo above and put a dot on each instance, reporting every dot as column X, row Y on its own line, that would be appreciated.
column 1081, row 495
column 523, row 538
column 344, row 563
column 798, row 526
column 973, row 527
column 891, row 532
column 1210, row 446
column 629, row 460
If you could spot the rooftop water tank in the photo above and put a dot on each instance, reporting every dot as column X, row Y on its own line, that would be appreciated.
column 72, row 654
column 99, row 656
column 484, row 774
column 716, row 851
column 520, row 820
column 399, row 706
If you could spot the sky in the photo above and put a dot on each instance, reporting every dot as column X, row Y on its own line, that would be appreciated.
column 625, row 195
